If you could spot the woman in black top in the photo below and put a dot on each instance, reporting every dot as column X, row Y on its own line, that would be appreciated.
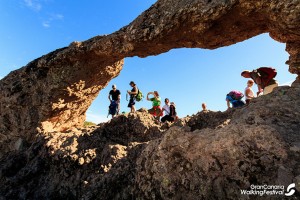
column 132, row 94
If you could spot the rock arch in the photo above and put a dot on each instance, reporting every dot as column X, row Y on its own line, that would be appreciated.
column 54, row 91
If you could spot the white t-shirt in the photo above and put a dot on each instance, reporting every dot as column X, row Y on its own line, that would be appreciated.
column 166, row 109
column 251, row 93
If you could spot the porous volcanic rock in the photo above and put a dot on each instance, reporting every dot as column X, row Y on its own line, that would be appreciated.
column 207, row 119
column 91, row 163
column 253, row 145
column 54, row 91
column 44, row 154
column 260, row 145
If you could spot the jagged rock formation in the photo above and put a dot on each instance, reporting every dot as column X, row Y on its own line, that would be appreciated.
column 207, row 160
column 260, row 145
column 193, row 159
column 80, row 162
column 54, row 91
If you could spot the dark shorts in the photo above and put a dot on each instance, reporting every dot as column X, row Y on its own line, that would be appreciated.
column 131, row 103
column 167, row 118
column 238, row 104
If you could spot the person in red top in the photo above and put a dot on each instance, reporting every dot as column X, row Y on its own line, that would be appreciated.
column 265, row 81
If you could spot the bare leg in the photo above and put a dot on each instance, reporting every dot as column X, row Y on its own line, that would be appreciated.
column 132, row 109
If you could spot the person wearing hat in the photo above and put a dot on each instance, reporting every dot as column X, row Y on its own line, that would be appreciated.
column 264, row 78
column 132, row 94
column 115, row 95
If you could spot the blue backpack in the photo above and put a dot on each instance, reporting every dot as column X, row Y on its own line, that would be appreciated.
column 236, row 102
column 112, row 108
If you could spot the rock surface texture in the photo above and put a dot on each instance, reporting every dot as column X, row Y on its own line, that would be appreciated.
column 54, row 91
column 46, row 155
column 210, row 155
column 259, row 144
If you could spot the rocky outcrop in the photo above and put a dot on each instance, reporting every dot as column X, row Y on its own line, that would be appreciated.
column 45, row 155
column 133, row 157
column 54, row 91
column 260, row 145
column 93, row 162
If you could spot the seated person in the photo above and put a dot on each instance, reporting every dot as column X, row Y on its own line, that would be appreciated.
column 172, row 116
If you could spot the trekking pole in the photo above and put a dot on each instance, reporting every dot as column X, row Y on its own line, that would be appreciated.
column 126, row 96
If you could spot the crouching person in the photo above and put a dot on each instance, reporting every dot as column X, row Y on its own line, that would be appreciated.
column 172, row 116
column 234, row 98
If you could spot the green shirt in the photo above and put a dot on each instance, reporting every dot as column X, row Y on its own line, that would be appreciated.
column 155, row 101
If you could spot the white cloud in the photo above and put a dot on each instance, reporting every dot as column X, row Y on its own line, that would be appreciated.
column 33, row 4
column 53, row 17
column 46, row 24
column 96, row 118
column 36, row 5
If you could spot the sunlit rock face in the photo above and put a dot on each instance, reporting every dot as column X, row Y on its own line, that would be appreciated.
column 50, row 93
column 210, row 155
column 53, row 92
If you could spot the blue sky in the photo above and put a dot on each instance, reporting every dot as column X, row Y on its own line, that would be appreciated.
column 32, row 28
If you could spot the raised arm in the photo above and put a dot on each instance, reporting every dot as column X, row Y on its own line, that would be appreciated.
column 148, row 96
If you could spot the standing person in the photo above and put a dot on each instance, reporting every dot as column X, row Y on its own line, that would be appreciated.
column 132, row 94
column 156, row 101
column 114, row 97
column 249, row 94
column 264, row 78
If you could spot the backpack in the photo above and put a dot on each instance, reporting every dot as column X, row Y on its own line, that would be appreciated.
column 139, row 96
column 112, row 108
column 267, row 74
column 239, row 103
column 236, row 95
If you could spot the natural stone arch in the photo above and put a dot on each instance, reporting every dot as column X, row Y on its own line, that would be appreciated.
column 54, row 91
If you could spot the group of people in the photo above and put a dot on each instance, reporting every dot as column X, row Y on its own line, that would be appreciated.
column 168, row 111
column 264, row 77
